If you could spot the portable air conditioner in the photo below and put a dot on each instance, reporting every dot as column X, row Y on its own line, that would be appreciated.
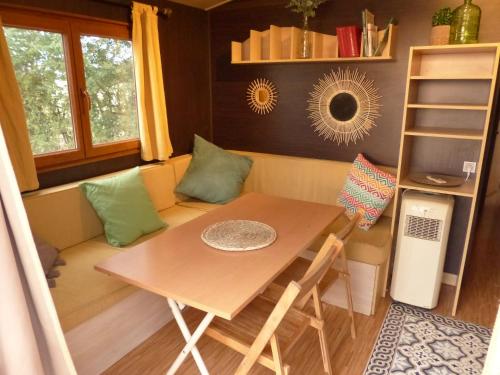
column 424, row 226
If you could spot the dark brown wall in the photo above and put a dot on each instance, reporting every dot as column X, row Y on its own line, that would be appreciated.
column 184, row 43
column 287, row 129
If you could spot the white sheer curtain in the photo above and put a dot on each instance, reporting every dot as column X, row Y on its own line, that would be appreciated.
column 31, row 338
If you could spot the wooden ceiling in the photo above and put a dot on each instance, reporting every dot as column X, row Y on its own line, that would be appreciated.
column 202, row 4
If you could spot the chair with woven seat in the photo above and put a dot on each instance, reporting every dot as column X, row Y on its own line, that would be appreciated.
column 266, row 330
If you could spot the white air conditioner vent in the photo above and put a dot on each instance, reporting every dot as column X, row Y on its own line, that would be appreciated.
column 423, row 228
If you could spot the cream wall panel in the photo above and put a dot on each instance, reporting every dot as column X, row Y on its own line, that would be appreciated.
column 291, row 177
column 63, row 217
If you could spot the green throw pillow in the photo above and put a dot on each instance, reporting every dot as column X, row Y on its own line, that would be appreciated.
column 124, row 206
column 214, row 175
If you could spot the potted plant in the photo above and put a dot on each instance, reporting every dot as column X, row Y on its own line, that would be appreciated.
column 308, row 9
column 441, row 22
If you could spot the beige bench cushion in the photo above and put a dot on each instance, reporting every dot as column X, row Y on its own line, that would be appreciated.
column 199, row 205
column 81, row 291
column 314, row 180
column 63, row 217
column 307, row 179
column 370, row 247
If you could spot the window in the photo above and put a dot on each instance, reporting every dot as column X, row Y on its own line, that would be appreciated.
column 109, row 73
column 38, row 58
column 77, row 81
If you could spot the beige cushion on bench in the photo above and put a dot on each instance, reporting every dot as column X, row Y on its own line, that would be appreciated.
column 199, row 205
column 307, row 179
column 82, row 292
column 370, row 247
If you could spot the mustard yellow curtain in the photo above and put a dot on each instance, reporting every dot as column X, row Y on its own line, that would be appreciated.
column 152, row 108
column 13, row 122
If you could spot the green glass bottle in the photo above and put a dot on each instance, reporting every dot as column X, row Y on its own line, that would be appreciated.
column 465, row 25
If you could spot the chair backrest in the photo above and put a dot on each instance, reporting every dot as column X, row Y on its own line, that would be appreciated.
column 293, row 294
column 321, row 263
column 345, row 233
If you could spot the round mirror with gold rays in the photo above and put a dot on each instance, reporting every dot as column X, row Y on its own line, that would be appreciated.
column 344, row 106
column 262, row 96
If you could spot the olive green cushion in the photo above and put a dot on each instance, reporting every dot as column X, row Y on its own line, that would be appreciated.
column 214, row 175
column 124, row 206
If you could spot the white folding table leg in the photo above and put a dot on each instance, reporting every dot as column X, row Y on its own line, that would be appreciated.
column 191, row 340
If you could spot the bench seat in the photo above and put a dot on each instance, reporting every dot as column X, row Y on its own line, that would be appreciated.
column 371, row 247
column 199, row 205
column 81, row 291
column 103, row 318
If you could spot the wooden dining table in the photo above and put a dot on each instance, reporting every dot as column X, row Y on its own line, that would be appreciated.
column 178, row 265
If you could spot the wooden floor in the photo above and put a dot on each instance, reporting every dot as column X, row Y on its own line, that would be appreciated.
column 480, row 298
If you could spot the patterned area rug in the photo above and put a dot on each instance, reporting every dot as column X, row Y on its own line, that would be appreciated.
column 413, row 341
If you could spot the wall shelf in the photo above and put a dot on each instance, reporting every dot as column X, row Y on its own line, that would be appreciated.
column 318, row 60
column 280, row 45
column 464, row 107
column 471, row 77
column 465, row 190
column 450, row 133
column 456, row 49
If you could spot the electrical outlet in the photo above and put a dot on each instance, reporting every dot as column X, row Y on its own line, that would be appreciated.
column 469, row 167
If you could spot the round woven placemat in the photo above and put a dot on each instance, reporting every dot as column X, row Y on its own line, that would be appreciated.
column 238, row 235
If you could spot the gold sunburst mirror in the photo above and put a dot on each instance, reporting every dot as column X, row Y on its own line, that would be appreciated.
column 262, row 96
column 343, row 106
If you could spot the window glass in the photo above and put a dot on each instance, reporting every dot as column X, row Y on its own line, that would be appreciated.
column 38, row 58
column 109, row 75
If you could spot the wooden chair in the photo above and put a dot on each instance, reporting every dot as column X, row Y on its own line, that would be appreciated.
column 266, row 330
column 301, row 266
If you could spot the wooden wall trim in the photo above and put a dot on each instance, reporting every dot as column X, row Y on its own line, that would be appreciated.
column 55, row 13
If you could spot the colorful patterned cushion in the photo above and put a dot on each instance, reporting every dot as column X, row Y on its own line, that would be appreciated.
column 367, row 188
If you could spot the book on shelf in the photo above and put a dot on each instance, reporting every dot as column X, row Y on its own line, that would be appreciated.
column 372, row 39
column 349, row 40
column 368, row 19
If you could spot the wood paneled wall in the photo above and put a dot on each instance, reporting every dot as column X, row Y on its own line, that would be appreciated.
column 184, row 43
column 287, row 129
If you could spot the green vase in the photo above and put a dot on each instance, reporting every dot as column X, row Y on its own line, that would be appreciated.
column 465, row 25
